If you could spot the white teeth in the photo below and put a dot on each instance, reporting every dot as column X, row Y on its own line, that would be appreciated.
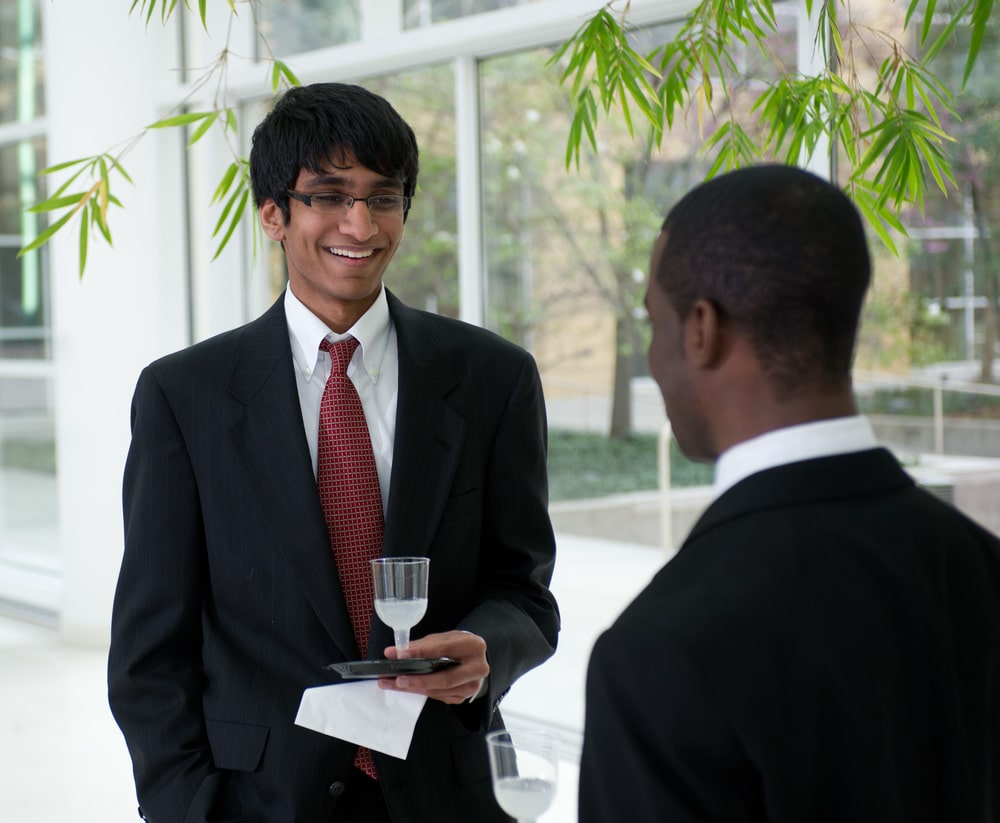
column 354, row 255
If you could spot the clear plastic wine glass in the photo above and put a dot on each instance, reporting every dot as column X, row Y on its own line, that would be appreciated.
column 524, row 766
column 400, row 593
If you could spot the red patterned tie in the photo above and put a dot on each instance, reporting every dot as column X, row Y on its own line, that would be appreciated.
column 352, row 502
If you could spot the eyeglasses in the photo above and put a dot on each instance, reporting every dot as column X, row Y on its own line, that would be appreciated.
column 329, row 202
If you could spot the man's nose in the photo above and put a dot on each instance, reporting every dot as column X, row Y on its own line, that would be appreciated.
column 358, row 221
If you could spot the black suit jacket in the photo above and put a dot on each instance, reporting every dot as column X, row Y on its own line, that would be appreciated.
column 228, row 603
column 824, row 647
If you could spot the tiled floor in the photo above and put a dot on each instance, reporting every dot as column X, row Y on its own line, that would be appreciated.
column 63, row 760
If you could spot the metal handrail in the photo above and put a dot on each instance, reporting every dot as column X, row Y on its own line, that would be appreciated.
column 937, row 385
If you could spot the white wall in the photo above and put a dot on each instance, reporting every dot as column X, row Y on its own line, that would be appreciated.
column 130, row 304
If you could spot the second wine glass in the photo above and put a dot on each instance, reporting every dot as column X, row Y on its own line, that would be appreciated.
column 524, row 765
column 400, row 593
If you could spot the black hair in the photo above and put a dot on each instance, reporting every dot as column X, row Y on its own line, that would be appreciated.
column 313, row 125
column 782, row 254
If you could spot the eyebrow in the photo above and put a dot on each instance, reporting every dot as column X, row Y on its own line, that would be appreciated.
column 341, row 180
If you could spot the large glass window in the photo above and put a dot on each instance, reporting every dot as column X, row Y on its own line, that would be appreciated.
column 294, row 26
column 22, row 81
column 567, row 250
column 954, row 254
column 419, row 13
column 27, row 440
column 23, row 300
column 424, row 272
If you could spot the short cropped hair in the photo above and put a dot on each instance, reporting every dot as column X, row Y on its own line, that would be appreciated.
column 316, row 124
column 782, row 254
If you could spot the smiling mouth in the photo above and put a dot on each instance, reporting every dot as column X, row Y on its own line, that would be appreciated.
column 352, row 254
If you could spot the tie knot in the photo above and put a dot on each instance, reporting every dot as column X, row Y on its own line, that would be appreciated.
column 340, row 352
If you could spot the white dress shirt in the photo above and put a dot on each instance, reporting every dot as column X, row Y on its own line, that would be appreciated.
column 839, row 435
column 374, row 371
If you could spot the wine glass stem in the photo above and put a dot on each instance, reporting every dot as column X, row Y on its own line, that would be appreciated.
column 402, row 638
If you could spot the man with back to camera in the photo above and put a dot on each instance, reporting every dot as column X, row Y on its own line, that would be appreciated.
column 825, row 646
column 233, row 595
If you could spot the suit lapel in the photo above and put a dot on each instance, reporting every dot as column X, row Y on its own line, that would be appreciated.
column 271, row 442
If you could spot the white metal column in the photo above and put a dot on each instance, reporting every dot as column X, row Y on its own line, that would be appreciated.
column 470, row 212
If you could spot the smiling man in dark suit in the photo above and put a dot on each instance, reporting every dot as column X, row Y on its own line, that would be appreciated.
column 825, row 646
column 230, row 601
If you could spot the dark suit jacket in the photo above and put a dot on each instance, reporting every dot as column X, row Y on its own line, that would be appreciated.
column 229, row 604
column 824, row 647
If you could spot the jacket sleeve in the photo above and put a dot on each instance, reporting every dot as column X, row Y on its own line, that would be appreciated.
column 155, row 676
column 516, row 612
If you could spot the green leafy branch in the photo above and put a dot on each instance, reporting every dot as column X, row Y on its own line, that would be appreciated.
column 148, row 7
column 891, row 133
column 96, row 173
column 91, row 203
column 600, row 49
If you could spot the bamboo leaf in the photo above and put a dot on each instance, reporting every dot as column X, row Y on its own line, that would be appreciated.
column 233, row 223
column 980, row 18
column 225, row 182
column 925, row 29
column 66, row 165
column 46, row 235
column 947, row 31
column 62, row 202
column 874, row 218
column 240, row 189
column 84, row 237
column 117, row 166
column 100, row 220
column 182, row 119
column 102, row 199
column 281, row 70
column 201, row 131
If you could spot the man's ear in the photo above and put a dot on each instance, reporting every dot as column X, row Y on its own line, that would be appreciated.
column 272, row 221
column 703, row 334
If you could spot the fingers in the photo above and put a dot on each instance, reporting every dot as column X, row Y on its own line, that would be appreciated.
column 452, row 685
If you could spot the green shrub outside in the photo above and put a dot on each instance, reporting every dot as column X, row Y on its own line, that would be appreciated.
column 584, row 465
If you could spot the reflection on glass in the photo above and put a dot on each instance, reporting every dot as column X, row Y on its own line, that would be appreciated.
column 22, row 81
column 28, row 514
column 294, row 26
column 424, row 272
column 954, row 255
column 567, row 250
column 24, row 315
column 420, row 13
column 28, row 539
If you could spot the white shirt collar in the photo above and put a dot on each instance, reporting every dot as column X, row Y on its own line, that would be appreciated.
column 840, row 435
column 306, row 331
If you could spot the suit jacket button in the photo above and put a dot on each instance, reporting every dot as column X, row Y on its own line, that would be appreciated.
column 336, row 788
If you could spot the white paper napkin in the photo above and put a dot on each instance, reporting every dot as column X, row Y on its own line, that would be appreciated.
column 363, row 714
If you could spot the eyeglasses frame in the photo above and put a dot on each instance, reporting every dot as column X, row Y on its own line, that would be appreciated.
column 306, row 199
